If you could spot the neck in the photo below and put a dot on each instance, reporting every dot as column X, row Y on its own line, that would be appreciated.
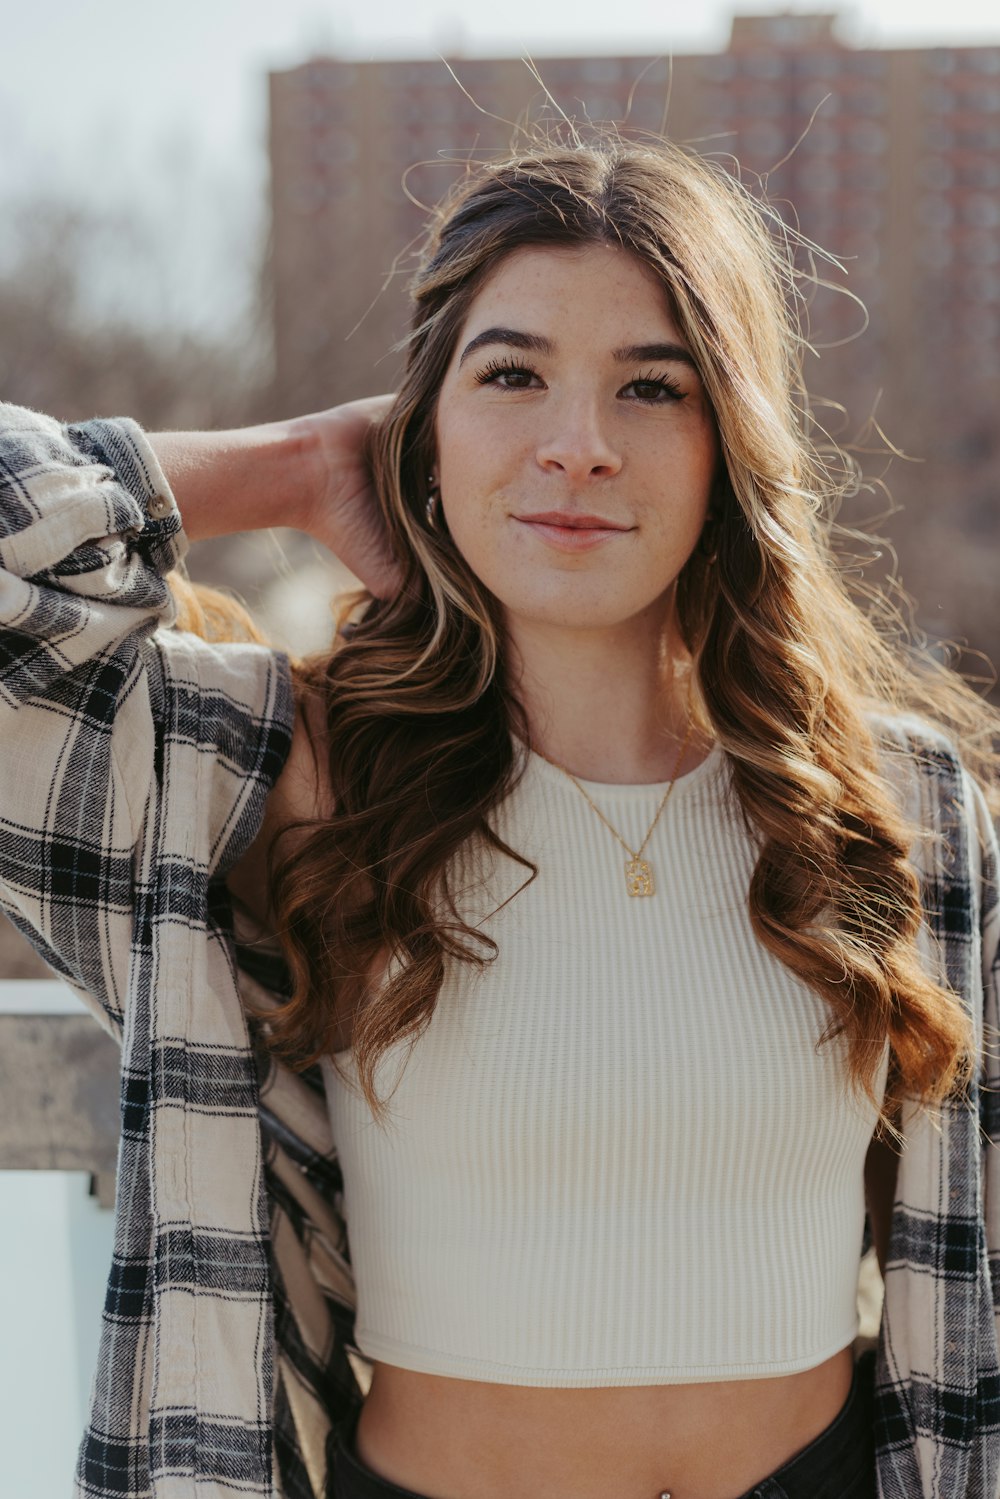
column 605, row 705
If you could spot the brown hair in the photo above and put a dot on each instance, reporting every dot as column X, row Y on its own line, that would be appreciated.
column 789, row 673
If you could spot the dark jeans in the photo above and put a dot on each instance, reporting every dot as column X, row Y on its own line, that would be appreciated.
column 838, row 1464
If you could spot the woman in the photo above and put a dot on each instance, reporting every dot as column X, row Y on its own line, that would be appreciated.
column 595, row 849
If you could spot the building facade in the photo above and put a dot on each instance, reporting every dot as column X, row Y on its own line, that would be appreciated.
column 889, row 161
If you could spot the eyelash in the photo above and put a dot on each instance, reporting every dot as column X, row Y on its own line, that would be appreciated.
column 489, row 374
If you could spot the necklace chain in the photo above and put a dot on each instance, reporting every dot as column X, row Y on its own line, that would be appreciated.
column 638, row 874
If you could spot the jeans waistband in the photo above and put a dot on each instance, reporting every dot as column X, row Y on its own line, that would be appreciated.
column 840, row 1462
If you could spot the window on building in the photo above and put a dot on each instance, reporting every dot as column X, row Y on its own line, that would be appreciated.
column 938, row 137
column 760, row 103
column 867, row 100
column 766, row 140
column 978, row 137
column 765, row 65
column 867, row 137
column 719, row 69
column 981, row 171
column 820, row 139
column 981, row 322
column 864, row 175
column 598, row 106
column 939, row 99
column 984, row 362
column 338, row 145
column 478, row 72
column 556, row 69
column 340, row 186
column 981, row 210
column 815, row 96
column 403, row 74
column 866, row 212
column 600, row 70
column 935, row 253
column 646, row 114
column 824, row 176
column 866, row 64
column 935, row 210
column 981, row 248
column 332, row 76
column 937, row 173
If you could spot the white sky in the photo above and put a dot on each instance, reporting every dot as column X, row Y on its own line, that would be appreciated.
column 165, row 106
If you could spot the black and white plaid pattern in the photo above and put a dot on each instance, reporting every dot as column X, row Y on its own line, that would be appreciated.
column 137, row 761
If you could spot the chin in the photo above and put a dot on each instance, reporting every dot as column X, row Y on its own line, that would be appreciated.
column 565, row 616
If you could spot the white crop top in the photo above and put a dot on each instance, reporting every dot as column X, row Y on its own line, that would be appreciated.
column 615, row 1156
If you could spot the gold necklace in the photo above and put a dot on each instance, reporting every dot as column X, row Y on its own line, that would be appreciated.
column 638, row 873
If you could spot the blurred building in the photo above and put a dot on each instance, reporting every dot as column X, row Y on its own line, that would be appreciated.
column 889, row 160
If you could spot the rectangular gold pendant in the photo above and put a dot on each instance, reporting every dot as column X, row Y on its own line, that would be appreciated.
column 638, row 877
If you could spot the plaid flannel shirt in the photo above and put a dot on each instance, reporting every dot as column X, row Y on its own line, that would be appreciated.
column 137, row 761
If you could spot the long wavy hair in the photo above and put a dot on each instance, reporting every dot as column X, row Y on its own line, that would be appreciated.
column 788, row 672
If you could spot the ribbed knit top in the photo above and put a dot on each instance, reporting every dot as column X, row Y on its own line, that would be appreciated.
column 615, row 1156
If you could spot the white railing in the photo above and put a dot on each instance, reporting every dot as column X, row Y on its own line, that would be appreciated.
column 58, row 1138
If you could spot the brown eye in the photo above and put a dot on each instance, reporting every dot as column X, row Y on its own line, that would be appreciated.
column 507, row 375
column 514, row 379
column 656, row 390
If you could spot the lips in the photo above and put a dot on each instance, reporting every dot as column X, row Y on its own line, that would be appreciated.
column 571, row 521
column 570, row 532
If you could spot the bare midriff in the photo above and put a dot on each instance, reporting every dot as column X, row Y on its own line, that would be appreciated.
column 465, row 1439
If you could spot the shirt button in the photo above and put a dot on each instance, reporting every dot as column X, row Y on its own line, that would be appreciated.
column 158, row 504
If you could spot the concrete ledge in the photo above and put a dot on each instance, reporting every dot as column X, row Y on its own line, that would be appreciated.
column 59, row 1097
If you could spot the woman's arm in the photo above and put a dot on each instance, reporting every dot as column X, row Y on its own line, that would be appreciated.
column 89, row 526
column 242, row 480
column 309, row 472
column 87, row 533
column 111, row 728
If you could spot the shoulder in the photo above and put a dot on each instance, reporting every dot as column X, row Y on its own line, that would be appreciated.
column 299, row 796
column 955, row 832
column 922, row 763
column 302, row 790
column 911, row 736
column 235, row 694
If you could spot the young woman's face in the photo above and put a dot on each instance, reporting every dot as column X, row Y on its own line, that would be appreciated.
column 576, row 449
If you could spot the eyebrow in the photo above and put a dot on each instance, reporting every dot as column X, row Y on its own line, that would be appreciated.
column 667, row 353
column 534, row 343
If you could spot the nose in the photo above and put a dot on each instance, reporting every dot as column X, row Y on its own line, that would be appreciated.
column 577, row 441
